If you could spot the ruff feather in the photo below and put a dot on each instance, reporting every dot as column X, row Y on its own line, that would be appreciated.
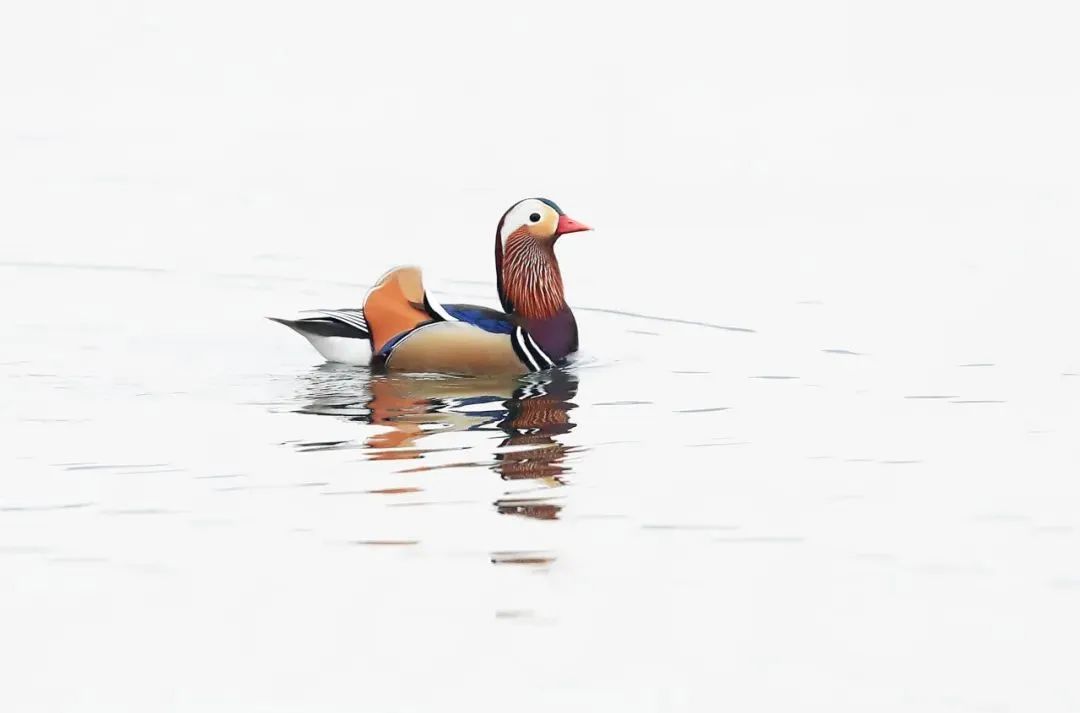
column 530, row 276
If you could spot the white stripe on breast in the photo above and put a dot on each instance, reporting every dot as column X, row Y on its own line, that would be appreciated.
column 519, row 336
column 538, row 352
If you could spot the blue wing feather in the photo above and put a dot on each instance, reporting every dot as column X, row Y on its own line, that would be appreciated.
column 486, row 318
column 490, row 320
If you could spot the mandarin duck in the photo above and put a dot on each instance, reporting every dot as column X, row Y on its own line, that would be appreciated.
column 403, row 328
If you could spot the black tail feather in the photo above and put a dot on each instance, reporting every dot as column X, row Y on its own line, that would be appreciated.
column 323, row 327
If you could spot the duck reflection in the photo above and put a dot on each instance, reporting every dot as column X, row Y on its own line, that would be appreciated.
column 531, row 412
column 535, row 415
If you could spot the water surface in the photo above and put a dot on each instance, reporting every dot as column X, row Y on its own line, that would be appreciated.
column 684, row 514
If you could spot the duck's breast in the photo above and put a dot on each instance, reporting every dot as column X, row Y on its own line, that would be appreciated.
column 557, row 335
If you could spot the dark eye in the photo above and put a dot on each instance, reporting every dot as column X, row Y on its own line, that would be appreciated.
column 535, row 217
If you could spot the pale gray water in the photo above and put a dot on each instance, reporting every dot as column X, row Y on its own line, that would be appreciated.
column 819, row 452
column 196, row 515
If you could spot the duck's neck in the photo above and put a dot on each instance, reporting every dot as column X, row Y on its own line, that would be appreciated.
column 531, row 288
column 530, row 284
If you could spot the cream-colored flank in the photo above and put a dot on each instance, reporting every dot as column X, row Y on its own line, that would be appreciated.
column 455, row 348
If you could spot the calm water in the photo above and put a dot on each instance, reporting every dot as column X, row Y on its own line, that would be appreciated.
column 197, row 515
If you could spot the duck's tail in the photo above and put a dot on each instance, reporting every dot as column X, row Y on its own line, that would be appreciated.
column 340, row 335
column 395, row 306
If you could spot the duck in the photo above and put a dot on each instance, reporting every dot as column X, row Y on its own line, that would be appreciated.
column 402, row 327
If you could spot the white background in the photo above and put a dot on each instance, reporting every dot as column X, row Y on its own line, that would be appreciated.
column 895, row 179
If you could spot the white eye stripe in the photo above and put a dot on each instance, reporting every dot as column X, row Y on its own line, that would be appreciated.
column 521, row 214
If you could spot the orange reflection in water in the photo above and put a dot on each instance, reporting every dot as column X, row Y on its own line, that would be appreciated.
column 529, row 416
column 532, row 411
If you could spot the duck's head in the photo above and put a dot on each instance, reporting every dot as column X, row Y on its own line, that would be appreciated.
column 538, row 218
column 525, row 264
